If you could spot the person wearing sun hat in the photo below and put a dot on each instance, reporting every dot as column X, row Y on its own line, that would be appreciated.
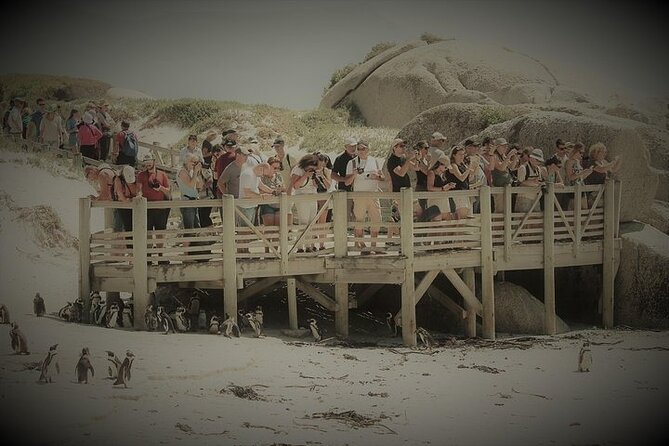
column 51, row 129
column 533, row 174
column 14, row 120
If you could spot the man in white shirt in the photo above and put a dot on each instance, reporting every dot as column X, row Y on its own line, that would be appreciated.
column 365, row 174
column 191, row 147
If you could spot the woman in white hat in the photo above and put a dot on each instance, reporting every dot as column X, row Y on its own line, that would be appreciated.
column 530, row 174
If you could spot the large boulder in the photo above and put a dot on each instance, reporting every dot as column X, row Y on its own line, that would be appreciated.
column 642, row 282
column 518, row 311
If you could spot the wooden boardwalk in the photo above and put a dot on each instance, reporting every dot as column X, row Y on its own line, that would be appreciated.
column 226, row 256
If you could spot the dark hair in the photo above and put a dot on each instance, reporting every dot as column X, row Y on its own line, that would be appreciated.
column 422, row 144
column 308, row 160
column 125, row 124
column 553, row 160
column 72, row 112
column 454, row 150
column 192, row 137
column 579, row 147
column 436, row 165
column 559, row 142
column 216, row 148
column 486, row 141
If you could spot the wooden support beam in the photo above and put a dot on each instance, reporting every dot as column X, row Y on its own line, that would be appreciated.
column 229, row 257
column 487, row 266
column 578, row 196
column 550, row 326
column 341, row 313
column 619, row 194
column 608, row 260
column 470, row 323
column 85, row 254
column 340, row 224
column 317, row 295
column 140, row 295
column 408, row 290
column 292, row 302
column 256, row 287
column 463, row 289
column 283, row 232
column 447, row 302
column 368, row 293
column 425, row 283
column 507, row 221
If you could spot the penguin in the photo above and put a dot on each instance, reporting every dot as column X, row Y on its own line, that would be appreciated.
column 243, row 321
column 95, row 306
column 165, row 321
column 150, row 319
column 64, row 313
column 425, row 338
column 83, row 366
column 202, row 320
column 112, row 316
column 260, row 317
column 182, row 320
column 214, row 325
column 48, row 364
column 4, row 314
column 231, row 328
column 19, row 341
column 253, row 323
column 127, row 317
column 116, row 364
column 585, row 358
column 194, row 310
column 315, row 331
column 390, row 322
column 98, row 316
column 76, row 311
column 38, row 305
column 124, row 371
column 398, row 323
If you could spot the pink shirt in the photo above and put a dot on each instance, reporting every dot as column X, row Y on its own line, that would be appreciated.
column 88, row 135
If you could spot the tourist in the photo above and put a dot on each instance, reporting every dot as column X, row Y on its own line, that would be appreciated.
column 105, row 123
column 35, row 120
column 554, row 175
column 250, row 186
column 125, row 146
column 487, row 158
column 26, row 116
column 436, row 183
column 72, row 129
column 503, row 161
column 191, row 148
column 87, row 137
column 600, row 166
column 272, row 179
column 303, row 183
column 437, row 146
column 189, row 182
column 422, row 167
column 231, row 135
column 478, row 178
column 102, row 179
column 14, row 120
column 530, row 174
column 459, row 173
column 575, row 173
column 51, row 129
column 155, row 186
column 324, row 184
column 207, row 147
column 223, row 161
column 399, row 164
column 339, row 171
column 286, row 160
column 124, row 189
column 254, row 156
column 228, row 182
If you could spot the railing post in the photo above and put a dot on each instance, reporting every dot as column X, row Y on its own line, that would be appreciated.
column 619, row 195
column 140, row 293
column 85, row 254
column 283, row 231
column 291, row 289
column 229, row 256
column 507, row 221
column 408, row 288
column 578, row 194
column 549, row 271
column 487, row 266
column 608, row 262
column 470, row 323
column 340, row 227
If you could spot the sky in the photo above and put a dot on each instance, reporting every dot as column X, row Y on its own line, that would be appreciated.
column 283, row 52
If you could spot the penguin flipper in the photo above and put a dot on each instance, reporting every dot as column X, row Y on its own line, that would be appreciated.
column 90, row 366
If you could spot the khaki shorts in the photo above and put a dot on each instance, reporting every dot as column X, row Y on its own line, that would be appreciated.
column 369, row 206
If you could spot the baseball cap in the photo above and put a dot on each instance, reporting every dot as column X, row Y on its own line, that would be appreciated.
column 147, row 157
column 537, row 154
column 438, row 135
column 241, row 150
column 365, row 144
column 500, row 142
column 351, row 141
column 230, row 143
column 229, row 131
column 128, row 173
column 397, row 142
column 471, row 142
column 421, row 145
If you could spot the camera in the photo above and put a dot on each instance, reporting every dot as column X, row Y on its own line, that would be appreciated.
column 360, row 170
column 155, row 184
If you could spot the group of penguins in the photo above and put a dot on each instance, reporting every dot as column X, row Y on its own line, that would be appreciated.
column 119, row 371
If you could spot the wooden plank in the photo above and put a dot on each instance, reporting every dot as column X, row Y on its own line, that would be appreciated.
column 463, row 289
column 257, row 287
column 340, row 223
column 608, row 260
column 487, row 267
column 140, row 293
column 292, row 302
column 283, row 231
column 550, row 322
column 368, row 293
column 255, row 230
column 425, row 283
column 470, row 320
column 619, row 195
column 113, row 284
column 317, row 295
column 592, row 210
column 526, row 217
column 309, row 227
column 507, row 222
column 408, row 289
column 85, row 253
column 341, row 313
column 229, row 257
column 447, row 302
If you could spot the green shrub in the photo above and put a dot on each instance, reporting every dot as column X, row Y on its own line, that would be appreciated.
column 187, row 112
column 378, row 49
column 340, row 74
column 494, row 115
column 430, row 38
column 52, row 88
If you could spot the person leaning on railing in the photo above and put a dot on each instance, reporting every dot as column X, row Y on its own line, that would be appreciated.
column 436, row 183
column 530, row 174
column 458, row 172
column 189, row 182
column 155, row 186
column 575, row 172
column 302, row 183
column 270, row 213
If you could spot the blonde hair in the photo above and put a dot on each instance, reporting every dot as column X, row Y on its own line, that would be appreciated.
column 596, row 148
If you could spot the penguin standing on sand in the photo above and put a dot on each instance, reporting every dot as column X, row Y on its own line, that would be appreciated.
column 165, row 321
column 390, row 322
column 83, row 366
column 202, row 320
column 38, row 305
column 193, row 310
column 182, row 320
column 150, row 319
column 19, row 341
column 127, row 317
column 116, row 364
column 65, row 312
column 425, row 338
column 243, row 321
column 260, row 317
column 124, row 371
column 4, row 314
column 112, row 316
column 215, row 325
column 230, row 327
column 253, row 323
column 316, row 332
column 585, row 358
column 98, row 316
column 48, row 365
column 96, row 300
column 76, row 311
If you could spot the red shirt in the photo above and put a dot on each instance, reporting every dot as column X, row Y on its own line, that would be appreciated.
column 144, row 177
column 223, row 161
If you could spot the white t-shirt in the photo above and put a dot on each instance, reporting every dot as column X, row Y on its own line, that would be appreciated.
column 308, row 188
column 253, row 159
column 248, row 180
column 363, row 182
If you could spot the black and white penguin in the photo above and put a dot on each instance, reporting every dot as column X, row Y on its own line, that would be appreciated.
column 127, row 317
column 316, row 332
column 115, row 365
column 64, row 313
column 585, row 358
column 243, row 321
column 124, row 371
column 112, row 316
column 202, row 320
column 253, row 323
column 390, row 322
column 48, row 365
column 77, row 311
column 182, row 320
column 98, row 317
column 96, row 301
column 215, row 325
column 38, row 305
column 193, row 310
column 260, row 317
column 425, row 338
column 83, row 366
column 150, row 319
column 19, row 341
column 165, row 321
column 4, row 314
column 230, row 327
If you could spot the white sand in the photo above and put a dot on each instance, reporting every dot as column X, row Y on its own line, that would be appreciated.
column 536, row 398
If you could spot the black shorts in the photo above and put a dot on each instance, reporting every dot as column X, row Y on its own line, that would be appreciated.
column 156, row 219
column 268, row 209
